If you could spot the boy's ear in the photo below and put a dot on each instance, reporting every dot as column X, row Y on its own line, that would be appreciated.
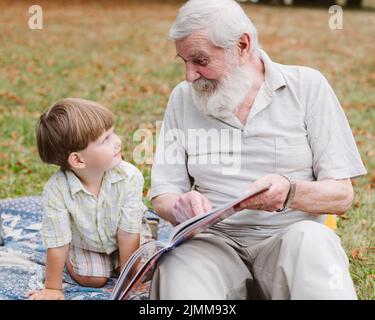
column 76, row 161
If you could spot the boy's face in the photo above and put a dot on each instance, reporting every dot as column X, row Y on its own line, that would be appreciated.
column 104, row 153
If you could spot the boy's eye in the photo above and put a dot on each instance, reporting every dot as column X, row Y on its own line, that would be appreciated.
column 106, row 139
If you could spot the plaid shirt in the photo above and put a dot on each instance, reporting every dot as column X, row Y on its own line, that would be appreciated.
column 74, row 215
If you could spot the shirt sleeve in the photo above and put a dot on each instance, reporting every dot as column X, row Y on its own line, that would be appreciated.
column 335, row 154
column 56, row 227
column 133, row 209
column 169, row 170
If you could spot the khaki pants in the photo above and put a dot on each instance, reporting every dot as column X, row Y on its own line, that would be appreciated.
column 303, row 261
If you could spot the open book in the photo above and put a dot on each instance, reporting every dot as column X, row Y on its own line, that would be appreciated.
column 139, row 268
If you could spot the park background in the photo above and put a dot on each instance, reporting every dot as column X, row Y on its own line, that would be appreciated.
column 118, row 53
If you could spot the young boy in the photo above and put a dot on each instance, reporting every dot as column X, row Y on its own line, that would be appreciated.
column 93, row 205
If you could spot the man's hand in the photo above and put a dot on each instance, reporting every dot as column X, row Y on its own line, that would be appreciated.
column 46, row 294
column 271, row 199
column 190, row 204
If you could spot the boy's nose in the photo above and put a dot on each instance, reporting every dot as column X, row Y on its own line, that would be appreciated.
column 118, row 141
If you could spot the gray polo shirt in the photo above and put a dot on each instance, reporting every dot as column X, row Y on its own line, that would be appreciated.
column 296, row 127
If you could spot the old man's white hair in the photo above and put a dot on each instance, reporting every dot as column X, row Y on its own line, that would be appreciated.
column 224, row 20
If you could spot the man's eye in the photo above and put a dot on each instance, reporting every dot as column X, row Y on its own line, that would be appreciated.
column 201, row 62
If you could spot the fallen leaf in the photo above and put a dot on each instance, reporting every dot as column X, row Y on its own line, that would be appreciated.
column 344, row 216
column 355, row 253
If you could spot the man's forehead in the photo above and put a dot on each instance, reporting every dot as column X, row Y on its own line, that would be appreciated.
column 196, row 43
column 197, row 53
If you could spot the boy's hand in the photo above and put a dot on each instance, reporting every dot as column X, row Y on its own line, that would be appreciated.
column 46, row 294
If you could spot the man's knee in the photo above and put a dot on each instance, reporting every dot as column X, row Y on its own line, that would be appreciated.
column 173, row 279
column 316, row 260
column 194, row 271
column 309, row 230
column 310, row 237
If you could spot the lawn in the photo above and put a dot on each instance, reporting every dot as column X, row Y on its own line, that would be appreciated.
column 120, row 55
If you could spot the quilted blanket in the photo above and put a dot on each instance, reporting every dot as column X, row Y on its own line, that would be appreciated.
column 22, row 254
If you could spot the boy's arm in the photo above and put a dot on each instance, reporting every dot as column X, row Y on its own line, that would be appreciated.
column 55, row 261
column 56, row 258
column 128, row 243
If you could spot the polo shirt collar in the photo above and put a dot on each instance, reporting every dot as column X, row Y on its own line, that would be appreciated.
column 274, row 79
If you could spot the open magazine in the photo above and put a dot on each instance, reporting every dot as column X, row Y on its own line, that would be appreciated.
column 139, row 268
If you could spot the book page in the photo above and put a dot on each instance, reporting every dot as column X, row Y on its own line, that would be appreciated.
column 135, row 266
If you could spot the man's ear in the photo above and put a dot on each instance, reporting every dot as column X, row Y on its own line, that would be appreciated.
column 76, row 161
column 243, row 46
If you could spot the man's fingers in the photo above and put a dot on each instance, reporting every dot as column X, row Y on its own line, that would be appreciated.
column 257, row 202
column 197, row 205
column 207, row 205
column 191, row 204
column 250, row 203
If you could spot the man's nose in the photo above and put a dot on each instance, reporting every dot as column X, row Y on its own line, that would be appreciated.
column 191, row 73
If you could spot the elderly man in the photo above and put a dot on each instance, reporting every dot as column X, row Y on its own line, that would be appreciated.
column 285, row 127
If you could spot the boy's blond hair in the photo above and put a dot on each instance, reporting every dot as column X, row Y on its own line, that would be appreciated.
column 69, row 125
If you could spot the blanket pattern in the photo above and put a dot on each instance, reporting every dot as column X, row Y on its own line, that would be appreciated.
column 22, row 255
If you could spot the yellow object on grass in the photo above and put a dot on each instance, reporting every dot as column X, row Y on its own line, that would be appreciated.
column 331, row 221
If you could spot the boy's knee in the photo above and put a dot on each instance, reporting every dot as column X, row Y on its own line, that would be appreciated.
column 95, row 282
column 86, row 281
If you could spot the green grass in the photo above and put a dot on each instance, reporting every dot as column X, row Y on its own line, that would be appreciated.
column 120, row 55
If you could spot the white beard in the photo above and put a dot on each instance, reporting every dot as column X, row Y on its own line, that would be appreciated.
column 221, row 98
